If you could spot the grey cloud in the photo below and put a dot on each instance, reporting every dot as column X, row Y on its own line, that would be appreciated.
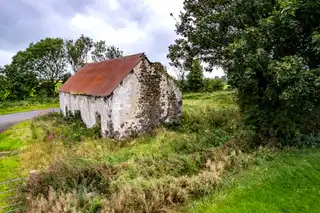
column 15, row 19
column 20, row 23
column 11, row 11
column 70, row 7
column 156, row 46
column 135, row 11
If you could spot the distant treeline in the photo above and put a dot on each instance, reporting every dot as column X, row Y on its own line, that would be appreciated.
column 194, row 81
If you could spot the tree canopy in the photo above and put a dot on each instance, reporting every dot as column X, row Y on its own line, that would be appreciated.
column 103, row 52
column 77, row 51
column 270, row 52
column 37, row 70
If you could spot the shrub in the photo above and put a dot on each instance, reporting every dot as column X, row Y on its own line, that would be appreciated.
column 213, row 84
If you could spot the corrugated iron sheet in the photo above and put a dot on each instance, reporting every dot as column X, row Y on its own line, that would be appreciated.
column 100, row 79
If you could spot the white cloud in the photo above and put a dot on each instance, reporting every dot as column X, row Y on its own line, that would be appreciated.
column 134, row 26
column 5, row 57
column 98, row 29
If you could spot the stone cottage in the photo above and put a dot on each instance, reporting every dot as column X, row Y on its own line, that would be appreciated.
column 125, row 96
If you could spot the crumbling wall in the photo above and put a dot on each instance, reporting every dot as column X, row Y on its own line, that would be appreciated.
column 152, row 98
column 149, row 105
column 124, row 107
column 90, row 108
column 170, row 100
column 160, row 100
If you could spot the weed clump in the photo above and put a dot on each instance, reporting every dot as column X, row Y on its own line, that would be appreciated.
column 69, row 129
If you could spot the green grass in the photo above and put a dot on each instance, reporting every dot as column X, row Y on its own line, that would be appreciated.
column 170, row 167
column 289, row 183
column 8, row 168
column 13, row 138
column 27, row 105
column 150, row 172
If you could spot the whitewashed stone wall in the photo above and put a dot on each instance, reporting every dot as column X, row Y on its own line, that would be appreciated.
column 146, row 98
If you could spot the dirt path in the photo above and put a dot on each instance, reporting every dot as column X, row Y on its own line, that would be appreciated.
column 8, row 120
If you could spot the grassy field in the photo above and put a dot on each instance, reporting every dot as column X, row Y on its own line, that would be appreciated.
column 288, row 183
column 157, row 172
column 27, row 105
column 11, row 140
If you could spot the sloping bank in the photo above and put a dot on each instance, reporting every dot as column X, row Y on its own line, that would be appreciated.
column 288, row 183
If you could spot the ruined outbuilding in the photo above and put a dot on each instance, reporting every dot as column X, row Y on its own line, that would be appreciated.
column 125, row 96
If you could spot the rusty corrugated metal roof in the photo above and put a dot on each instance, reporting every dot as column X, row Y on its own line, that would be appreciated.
column 100, row 79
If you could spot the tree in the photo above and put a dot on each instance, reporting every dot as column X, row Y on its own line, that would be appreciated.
column 178, row 60
column 103, row 52
column 77, row 51
column 195, row 77
column 98, row 53
column 18, row 80
column 3, row 85
column 270, row 51
column 113, row 52
column 181, row 78
column 48, row 61
column 41, row 65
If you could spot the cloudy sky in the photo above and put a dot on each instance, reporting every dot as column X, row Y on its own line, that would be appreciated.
column 133, row 25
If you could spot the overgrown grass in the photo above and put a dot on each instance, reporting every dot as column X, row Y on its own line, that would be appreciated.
column 145, row 174
column 12, row 142
column 14, row 137
column 8, row 107
column 175, row 164
column 289, row 183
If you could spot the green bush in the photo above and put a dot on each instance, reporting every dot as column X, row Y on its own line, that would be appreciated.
column 213, row 84
column 270, row 51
